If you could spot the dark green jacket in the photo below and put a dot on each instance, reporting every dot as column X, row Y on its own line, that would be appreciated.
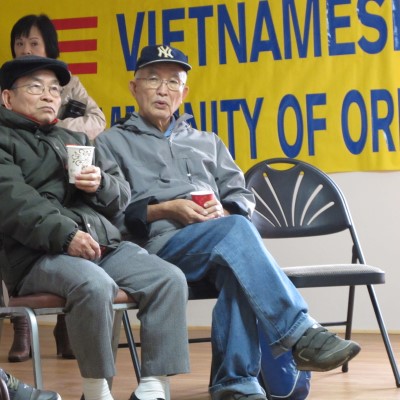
column 38, row 207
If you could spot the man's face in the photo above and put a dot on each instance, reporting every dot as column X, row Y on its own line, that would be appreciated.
column 41, row 107
column 158, row 104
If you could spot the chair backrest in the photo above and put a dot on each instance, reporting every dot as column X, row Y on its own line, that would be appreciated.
column 296, row 199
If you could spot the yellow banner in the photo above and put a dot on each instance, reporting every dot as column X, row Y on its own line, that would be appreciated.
column 311, row 79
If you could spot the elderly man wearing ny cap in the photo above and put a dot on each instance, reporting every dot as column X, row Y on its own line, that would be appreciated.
column 57, row 238
column 164, row 160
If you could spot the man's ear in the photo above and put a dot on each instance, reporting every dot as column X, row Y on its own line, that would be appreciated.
column 6, row 95
column 185, row 92
column 132, row 88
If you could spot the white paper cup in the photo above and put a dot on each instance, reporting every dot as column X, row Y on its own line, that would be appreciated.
column 202, row 196
column 79, row 157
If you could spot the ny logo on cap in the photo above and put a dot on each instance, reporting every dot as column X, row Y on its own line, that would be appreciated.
column 165, row 52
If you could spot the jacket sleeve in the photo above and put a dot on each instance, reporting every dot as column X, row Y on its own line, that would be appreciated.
column 93, row 122
column 136, row 217
column 114, row 192
column 25, row 215
column 231, row 184
column 135, row 214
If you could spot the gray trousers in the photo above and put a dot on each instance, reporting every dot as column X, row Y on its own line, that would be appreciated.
column 159, row 287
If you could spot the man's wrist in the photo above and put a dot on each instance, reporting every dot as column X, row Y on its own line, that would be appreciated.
column 69, row 239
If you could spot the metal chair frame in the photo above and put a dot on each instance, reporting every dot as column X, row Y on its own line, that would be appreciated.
column 49, row 304
column 295, row 199
column 39, row 304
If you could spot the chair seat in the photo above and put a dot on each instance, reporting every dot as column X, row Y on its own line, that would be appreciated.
column 49, row 300
column 334, row 275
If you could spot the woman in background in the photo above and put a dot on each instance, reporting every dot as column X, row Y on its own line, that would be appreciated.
column 36, row 35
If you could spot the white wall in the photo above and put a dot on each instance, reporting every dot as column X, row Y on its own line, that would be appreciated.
column 374, row 199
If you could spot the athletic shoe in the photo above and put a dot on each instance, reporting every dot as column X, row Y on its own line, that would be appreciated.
column 18, row 390
column 321, row 350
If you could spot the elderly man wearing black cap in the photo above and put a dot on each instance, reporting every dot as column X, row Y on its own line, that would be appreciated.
column 57, row 238
column 164, row 160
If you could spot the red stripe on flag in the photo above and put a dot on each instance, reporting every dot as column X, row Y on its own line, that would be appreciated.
column 83, row 68
column 75, row 23
column 77, row 45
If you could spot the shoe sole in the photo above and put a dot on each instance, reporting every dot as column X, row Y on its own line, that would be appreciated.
column 312, row 367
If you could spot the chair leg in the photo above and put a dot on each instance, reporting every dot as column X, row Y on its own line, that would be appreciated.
column 349, row 321
column 384, row 334
column 1, row 328
column 35, row 345
column 115, row 339
column 131, row 344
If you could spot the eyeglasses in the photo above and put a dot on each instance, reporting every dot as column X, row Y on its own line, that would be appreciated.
column 38, row 88
column 154, row 83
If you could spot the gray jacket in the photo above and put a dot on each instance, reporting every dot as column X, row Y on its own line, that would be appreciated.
column 160, row 168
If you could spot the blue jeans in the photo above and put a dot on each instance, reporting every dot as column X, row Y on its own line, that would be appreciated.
column 253, row 290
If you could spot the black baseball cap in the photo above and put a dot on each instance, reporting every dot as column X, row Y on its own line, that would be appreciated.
column 25, row 65
column 160, row 54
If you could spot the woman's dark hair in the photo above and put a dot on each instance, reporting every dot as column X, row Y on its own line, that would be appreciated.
column 23, row 26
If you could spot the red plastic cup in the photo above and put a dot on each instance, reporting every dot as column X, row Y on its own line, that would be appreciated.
column 202, row 196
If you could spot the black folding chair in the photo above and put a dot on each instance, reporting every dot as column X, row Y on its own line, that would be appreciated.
column 295, row 199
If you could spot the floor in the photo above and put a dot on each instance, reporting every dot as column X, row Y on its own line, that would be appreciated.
column 369, row 378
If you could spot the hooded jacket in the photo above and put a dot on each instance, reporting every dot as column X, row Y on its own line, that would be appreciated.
column 163, row 167
column 39, row 209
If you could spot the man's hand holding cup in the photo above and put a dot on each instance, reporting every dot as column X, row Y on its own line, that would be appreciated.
column 207, row 200
column 81, row 172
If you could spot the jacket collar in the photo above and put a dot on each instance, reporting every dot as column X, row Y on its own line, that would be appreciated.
column 12, row 119
column 139, row 125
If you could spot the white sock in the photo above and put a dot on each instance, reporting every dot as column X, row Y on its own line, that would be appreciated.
column 153, row 387
column 96, row 389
